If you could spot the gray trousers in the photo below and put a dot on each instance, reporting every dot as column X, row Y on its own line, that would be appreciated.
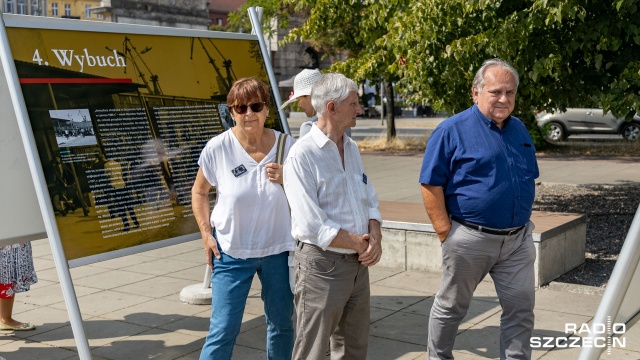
column 332, row 302
column 467, row 257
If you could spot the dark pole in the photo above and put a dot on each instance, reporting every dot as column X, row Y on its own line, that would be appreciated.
column 391, row 113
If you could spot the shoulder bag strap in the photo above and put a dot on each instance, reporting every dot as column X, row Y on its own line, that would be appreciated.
column 282, row 141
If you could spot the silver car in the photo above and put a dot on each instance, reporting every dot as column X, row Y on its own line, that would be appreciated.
column 559, row 125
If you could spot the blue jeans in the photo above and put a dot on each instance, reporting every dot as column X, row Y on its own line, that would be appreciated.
column 230, row 285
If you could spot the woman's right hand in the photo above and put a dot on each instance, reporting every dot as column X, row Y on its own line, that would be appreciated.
column 211, row 249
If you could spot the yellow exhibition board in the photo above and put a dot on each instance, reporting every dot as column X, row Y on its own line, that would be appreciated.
column 119, row 115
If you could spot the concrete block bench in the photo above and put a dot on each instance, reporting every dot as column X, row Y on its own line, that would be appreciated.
column 410, row 243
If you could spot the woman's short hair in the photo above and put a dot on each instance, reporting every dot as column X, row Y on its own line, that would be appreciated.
column 247, row 89
column 331, row 87
column 478, row 80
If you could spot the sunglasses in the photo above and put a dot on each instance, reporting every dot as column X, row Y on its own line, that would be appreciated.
column 242, row 109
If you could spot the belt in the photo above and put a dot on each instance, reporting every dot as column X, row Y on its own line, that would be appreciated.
column 301, row 244
column 486, row 230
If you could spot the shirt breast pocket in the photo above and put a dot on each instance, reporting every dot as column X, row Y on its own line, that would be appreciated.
column 526, row 163
column 359, row 188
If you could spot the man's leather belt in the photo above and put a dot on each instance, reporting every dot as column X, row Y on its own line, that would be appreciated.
column 486, row 230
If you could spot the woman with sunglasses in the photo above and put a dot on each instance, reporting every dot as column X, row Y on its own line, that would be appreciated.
column 249, row 230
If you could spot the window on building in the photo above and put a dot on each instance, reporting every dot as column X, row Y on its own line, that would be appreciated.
column 35, row 10
column 22, row 7
column 8, row 6
column 99, row 16
column 87, row 11
column 67, row 9
column 54, row 9
column 219, row 21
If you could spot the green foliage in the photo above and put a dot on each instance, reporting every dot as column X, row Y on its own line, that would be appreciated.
column 353, row 28
column 569, row 53
column 216, row 27
column 537, row 134
column 238, row 21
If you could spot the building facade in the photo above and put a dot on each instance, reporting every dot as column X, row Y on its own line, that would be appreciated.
column 70, row 9
column 23, row 7
column 188, row 14
column 220, row 9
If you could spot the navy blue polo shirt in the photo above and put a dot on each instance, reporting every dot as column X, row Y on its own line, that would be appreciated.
column 487, row 173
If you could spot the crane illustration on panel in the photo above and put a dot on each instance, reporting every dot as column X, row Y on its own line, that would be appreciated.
column 130, row 52
column 224, row 82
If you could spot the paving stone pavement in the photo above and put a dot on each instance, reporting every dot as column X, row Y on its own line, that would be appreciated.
column 131, row 310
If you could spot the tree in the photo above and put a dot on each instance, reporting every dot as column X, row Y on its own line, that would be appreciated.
column 569, row 53
column 238, row 21
column 354, row 28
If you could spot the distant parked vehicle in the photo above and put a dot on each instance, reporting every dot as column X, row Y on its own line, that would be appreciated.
column 559, row 125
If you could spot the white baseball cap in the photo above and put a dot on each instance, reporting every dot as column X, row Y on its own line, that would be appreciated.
column 302, row 85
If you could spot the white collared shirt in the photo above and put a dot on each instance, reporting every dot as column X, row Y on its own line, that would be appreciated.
column 325, row 197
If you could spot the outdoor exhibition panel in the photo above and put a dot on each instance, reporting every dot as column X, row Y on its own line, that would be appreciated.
column 112, row 119
column 119, row 115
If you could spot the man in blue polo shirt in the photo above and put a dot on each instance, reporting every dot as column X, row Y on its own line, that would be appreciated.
column 478, row 188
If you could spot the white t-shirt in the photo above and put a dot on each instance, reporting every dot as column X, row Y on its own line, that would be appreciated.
column 251, row 215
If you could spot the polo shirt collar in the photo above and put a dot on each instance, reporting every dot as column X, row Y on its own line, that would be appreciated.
column 488, row 122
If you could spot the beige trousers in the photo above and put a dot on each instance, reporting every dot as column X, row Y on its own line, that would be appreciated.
column 332, row 302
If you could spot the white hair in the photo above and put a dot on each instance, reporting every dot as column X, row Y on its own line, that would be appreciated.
column 478, row 80
column 331, row 87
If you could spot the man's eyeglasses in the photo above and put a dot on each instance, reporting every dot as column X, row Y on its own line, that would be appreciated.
column 242, row 109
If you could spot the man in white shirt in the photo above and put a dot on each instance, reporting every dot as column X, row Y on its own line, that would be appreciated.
column 336, row 222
